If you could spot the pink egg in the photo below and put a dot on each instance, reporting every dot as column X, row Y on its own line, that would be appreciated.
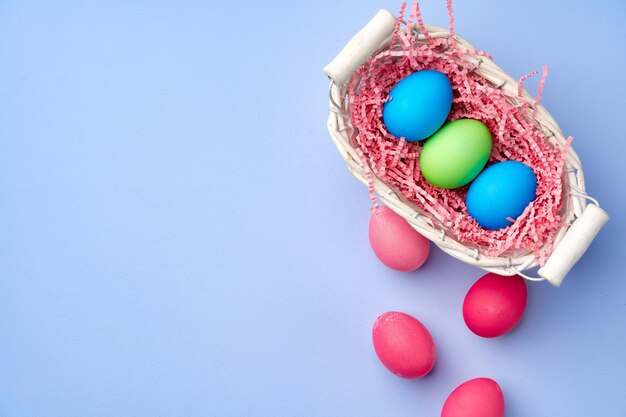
column 480, row 397
column 395, row 242
column 403, row 345
column 495, row 304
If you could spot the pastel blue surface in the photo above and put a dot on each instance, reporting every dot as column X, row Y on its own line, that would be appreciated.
column 180, row 237
column 418, row 105
column 501, row 191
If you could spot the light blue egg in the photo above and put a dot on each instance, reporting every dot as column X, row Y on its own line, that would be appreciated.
column 418, row 105
column 500, row 191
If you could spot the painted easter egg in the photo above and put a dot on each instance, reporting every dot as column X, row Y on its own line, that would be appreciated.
column 456, row 153
column 480, row 397
column 418, row 105
column 403, row 345
column 501, row 191
column 395, row 242
column 495, row 304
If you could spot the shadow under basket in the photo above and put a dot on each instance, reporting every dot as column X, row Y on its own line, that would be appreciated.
column 582, row 221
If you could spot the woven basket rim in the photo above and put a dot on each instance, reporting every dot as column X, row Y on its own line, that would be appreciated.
column 574, row 196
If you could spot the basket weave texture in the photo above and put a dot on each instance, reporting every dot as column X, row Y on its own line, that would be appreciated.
column 574, row 198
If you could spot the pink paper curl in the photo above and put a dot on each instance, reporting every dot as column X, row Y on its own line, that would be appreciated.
column 516, row 136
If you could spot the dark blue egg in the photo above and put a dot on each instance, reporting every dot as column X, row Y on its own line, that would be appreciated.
column 500, row 191
column 418, row 105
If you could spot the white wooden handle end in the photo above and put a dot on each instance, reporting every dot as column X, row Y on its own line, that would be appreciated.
column 574, row 244
column 361, row 47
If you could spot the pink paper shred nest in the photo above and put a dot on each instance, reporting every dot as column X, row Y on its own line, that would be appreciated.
column 515, row 134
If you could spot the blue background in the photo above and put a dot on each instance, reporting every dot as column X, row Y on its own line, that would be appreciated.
column 179, row 236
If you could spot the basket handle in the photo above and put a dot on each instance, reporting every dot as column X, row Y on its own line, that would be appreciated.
column 360, row 47
column 574, row 244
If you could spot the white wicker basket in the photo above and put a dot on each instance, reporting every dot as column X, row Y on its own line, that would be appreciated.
column 570, row 242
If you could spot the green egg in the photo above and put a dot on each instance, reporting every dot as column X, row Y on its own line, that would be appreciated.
column 455, row 154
